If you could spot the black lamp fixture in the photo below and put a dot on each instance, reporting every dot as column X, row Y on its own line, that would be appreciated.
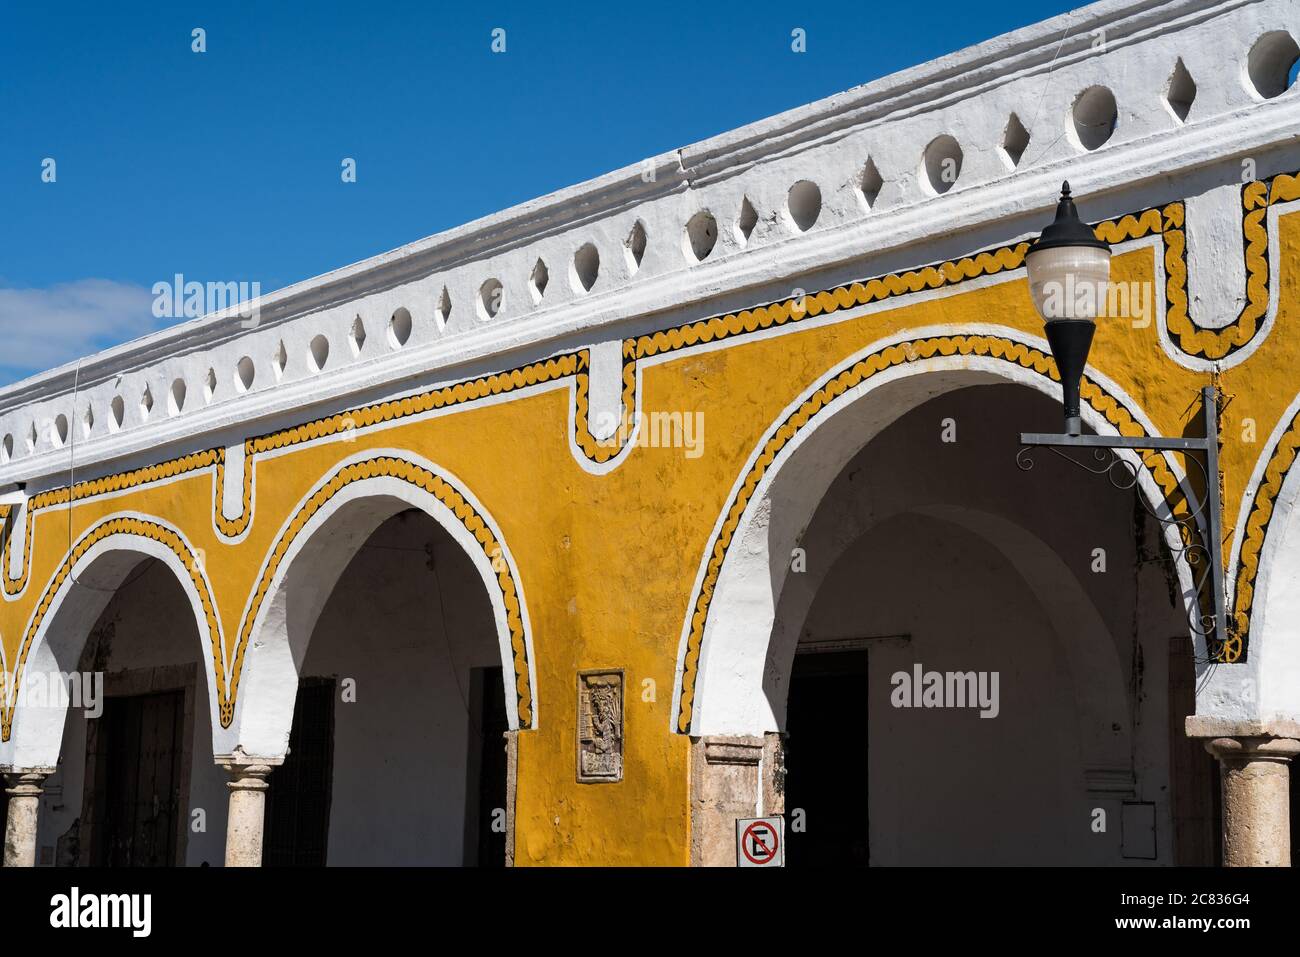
column 1069, row 270
column 1069, row 275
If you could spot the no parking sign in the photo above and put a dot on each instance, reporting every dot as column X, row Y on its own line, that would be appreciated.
column 760, row 842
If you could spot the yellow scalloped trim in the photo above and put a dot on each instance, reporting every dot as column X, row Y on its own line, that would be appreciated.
column 448, row 495
column 92, row 488
column 1257, row 522
column 602, row 450
column 1168, row 221
column 122, row 526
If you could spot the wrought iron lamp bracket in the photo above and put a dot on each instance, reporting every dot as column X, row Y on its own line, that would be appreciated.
column 1199, row 530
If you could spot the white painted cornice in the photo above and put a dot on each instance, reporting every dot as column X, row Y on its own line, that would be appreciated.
column 968, row 94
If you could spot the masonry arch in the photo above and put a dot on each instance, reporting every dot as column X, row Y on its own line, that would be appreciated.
column 1267, row 580
column 117, row 678
column 393, row 586
column 881, row 551
column 97, row 566
column 720, row 674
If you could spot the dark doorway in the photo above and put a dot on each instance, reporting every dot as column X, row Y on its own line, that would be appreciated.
column 485, row 797
column 826, row 761
column 136, row 750
column 1193, row 771
column 298, row 799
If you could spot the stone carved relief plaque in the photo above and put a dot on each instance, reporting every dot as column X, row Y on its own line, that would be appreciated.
column 600, row 726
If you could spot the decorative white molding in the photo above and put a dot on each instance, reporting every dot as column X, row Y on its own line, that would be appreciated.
column 1035, row 73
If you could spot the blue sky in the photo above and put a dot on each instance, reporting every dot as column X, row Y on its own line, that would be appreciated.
column 225, row 165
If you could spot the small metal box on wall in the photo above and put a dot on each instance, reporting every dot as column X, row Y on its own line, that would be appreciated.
column 600, row 726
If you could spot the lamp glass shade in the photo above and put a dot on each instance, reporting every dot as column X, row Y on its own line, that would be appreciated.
column 1069, row 282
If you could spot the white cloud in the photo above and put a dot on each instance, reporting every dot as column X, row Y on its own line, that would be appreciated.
column 44, row 328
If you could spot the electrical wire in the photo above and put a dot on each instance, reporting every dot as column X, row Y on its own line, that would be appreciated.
column 1047, row 82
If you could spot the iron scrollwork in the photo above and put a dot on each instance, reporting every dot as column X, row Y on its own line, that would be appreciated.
column 1196, row 525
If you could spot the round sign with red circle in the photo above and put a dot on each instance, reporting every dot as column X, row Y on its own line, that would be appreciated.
column 759, row 843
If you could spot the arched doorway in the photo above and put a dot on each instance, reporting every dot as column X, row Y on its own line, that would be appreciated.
column 397, row 753
column 969, row 663
column 113, row 696
column 387, row 662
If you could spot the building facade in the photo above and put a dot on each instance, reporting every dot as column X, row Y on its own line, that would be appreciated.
column 692, row 494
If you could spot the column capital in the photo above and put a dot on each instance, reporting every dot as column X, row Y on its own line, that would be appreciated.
column 24, row 806
column 25, row 782
column 239, row 758
column 1244, row 748
column 247, row 773
column 1253, row 757
column 1254, row 739
column 1212, row 726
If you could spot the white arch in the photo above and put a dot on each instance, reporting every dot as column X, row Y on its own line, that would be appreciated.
column 37, row 732
column 307, row 574
column 1267, row 685
column 728, row 692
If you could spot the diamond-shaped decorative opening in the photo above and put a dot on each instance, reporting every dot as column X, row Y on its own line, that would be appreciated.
column 746, row 221
column 870, row 183
column 441, row 309
column 59, row 430
column 1181, row 92
column 1015, row 140
column 31, row 437
column 146, row 403
column 537, row 280
column 636, row 243
column 7, row 448
column 117, row 413
column 279, row 359
column 209, row 385
column 357, row 336
column 88, row 421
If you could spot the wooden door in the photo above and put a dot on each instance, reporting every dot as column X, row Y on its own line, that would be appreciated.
column 137, row 751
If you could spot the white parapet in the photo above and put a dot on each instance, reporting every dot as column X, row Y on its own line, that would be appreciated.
column 1125, row 97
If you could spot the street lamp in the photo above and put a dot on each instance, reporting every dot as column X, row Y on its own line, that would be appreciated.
column 1069, row 274
column 1069, row 271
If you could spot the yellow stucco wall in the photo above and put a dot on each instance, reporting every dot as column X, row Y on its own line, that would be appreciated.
column 608, row 562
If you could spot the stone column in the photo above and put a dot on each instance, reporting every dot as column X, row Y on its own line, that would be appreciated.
column 1253, row 765
column 512, row 779
column 24, row 804
column 732, row 777
column 247, row 814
